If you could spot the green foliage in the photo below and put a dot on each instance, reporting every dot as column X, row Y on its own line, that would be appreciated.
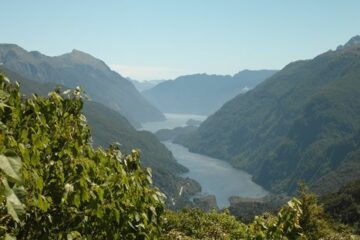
column 313, row 219
column 344, row 205
column 300, row 124
column 196, row 224
column 55, row 185
column 69, row 189
column 286, row 225
column 10, row 185
column 299, row 219
column 108, row 126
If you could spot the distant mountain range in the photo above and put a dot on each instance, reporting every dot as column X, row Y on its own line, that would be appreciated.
column 108, row 126
column 303, row 123
column 81, row 69
column 202, row 93
column 145, row 85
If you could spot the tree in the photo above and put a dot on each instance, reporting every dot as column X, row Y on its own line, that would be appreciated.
column 70, row 189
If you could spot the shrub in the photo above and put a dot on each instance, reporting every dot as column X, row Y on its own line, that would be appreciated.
column 69, row 189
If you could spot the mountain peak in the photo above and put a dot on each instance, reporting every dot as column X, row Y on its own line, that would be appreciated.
column 9, row 45
column 5, row 47
column 36, row 54
column 78, row 56
column 78, row 52
column 353, row 42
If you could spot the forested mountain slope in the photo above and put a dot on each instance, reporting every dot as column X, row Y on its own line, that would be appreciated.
column 81, row 69
column 109, row 126
column 55, row 185
column 202, row 93
column 300, row 124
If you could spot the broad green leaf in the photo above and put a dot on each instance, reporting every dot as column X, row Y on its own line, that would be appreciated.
column 9, row 237
column 13, row 204
column 11, row 166
column 73, row 235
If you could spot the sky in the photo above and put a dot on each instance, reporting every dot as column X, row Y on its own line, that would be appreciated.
column 162, row 39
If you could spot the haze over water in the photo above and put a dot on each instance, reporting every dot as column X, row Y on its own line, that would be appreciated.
column 173, row 120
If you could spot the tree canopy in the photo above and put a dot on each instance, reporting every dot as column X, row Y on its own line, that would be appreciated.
column 66, row 188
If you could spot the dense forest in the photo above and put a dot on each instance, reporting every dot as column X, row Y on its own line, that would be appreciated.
column 300, row 124
column 56, row 185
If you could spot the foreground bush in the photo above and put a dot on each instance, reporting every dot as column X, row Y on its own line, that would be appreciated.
column 55, row 185
column 197, row 224
column 301, row 218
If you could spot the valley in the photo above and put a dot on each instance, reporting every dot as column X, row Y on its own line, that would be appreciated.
column 180, row 120
column 301, row 124
column 215, row 176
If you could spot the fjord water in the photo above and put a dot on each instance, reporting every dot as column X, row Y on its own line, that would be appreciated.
column 216, row 177
column 173, row 120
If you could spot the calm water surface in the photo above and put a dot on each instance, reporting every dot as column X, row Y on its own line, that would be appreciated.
column 172, row 121
column 216, row 177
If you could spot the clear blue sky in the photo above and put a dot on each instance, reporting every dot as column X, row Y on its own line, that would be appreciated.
column 161, row 39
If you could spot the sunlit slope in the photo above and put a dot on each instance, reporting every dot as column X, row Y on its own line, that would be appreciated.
column 81, row 69
column 301, row 124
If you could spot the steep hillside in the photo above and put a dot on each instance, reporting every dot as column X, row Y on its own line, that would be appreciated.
column 201, row 93
column 108, row 126
column 81, row 69
column 300, row 124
